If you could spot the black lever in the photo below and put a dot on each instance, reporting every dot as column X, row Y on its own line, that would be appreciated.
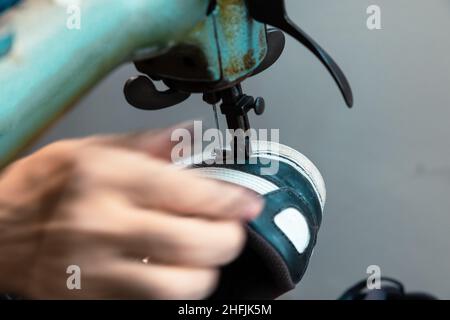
column 273, row 12
column 141, row 93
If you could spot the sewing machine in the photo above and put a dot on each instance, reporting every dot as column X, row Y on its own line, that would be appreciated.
column 206, row 47
column 193, row 46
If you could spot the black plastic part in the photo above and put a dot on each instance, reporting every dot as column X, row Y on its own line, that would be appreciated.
column 259, row 106
column 182, row 75
column 211, row 98
column 273, row 12
column 141, row 93
column 235, row 106
column 276, row 42
column 391, row 289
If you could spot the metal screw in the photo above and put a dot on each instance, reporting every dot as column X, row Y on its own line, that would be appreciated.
column 260, row 106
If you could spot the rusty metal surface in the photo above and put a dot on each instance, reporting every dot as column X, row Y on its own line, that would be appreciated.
column 242, row 40
column 194, row 58
column 226, row 47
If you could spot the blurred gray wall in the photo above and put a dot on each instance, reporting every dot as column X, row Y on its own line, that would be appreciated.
column 386, row 163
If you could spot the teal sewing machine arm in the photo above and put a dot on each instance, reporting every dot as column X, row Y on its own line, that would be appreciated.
column 45, row 65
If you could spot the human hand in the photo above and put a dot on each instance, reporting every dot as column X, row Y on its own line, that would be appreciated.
column 104, row 204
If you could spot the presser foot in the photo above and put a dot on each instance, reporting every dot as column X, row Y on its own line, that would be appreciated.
column 236, row 105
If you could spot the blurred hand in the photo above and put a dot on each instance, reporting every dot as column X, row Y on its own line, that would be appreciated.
column 106, row 203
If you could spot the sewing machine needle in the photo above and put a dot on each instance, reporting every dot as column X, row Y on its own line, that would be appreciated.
column 216, row 118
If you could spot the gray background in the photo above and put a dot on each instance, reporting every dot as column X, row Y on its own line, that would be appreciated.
column 386, row 163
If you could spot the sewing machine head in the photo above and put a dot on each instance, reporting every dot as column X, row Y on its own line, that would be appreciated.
column 232, row 43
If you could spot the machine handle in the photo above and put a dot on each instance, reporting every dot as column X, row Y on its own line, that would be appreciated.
column 273, row 12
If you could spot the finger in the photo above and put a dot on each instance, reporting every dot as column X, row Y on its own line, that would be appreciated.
column 172, row 240
column 154, row 184
column 187, row 193
column 157, row 143
column 134, row 280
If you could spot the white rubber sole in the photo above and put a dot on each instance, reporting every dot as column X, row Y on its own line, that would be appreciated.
column 268, row 150
column 285, row 154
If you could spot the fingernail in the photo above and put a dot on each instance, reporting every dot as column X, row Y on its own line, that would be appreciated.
column 253, row 208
